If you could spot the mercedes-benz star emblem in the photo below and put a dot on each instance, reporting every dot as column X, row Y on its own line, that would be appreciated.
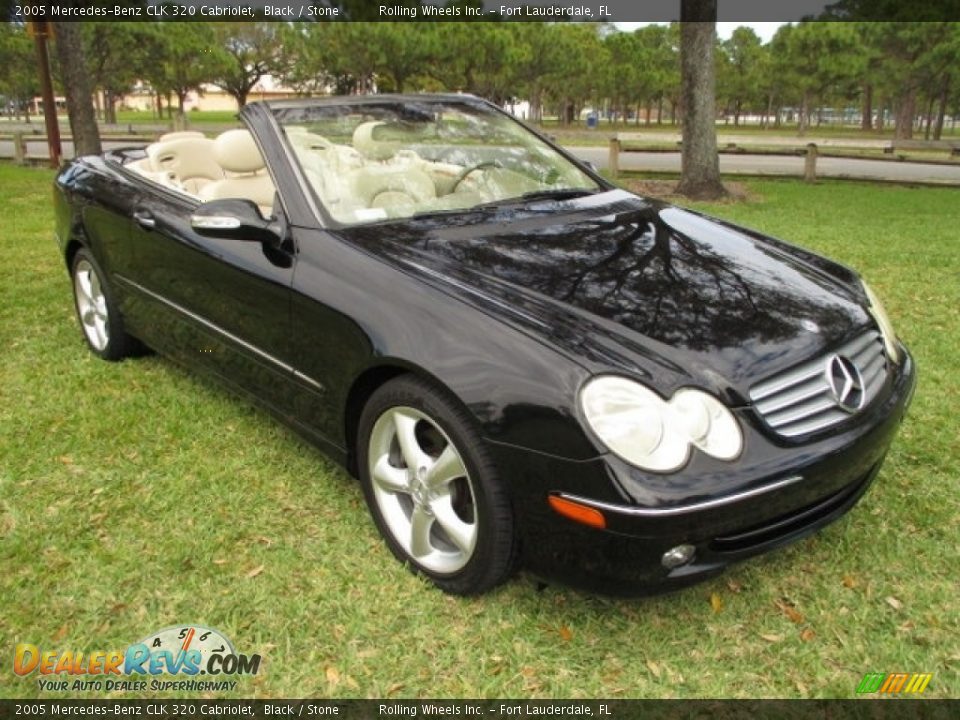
column 846, row 384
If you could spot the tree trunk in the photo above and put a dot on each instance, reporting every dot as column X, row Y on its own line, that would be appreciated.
column 906, row 109
column 803, row 119
column 660, row 110
column 928, row 119
column 109, row 107
column 76, row 82
column 866, row 121
column 700, row 173
column 942, row 109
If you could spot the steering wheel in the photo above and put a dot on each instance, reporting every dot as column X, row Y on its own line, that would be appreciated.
column 473, row 168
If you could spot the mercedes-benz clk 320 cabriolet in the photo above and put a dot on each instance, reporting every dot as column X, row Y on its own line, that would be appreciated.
column 522, row 363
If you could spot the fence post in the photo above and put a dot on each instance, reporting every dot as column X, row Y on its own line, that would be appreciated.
column 613, row 162
column 19, row 149
column 810, row 164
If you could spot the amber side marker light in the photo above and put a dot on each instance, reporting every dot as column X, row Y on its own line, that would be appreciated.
column 578, row 513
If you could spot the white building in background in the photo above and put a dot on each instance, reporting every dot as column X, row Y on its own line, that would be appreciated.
column 520, row 110
column 210, row 97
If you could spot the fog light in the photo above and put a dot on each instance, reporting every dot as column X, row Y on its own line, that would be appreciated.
column 677, row 556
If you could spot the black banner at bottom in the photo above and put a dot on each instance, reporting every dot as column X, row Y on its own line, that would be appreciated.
column 891, row 708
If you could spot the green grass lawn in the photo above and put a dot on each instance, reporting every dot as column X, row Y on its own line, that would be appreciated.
column 199, row 117
column 135, row 496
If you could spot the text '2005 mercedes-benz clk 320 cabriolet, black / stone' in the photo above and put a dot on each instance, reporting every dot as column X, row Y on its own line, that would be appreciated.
column 523, row 364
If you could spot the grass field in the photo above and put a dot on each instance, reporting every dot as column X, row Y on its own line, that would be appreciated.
column 135, row 496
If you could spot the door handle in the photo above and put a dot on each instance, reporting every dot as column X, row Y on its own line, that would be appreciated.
column 144, row 219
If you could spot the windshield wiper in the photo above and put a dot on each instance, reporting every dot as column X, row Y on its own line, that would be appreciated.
column 428, row 214
column 553, row 194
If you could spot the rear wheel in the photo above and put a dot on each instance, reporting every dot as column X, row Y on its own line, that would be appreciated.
column 433, row 490
column 99, row 318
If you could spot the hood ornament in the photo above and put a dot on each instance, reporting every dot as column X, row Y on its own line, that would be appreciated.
column 846, row 383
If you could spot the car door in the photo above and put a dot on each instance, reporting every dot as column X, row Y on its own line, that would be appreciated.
column 219, row 303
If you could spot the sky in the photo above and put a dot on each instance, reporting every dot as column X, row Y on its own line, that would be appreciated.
column 766, row 30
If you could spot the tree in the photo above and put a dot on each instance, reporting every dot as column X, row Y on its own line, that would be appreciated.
column 661, row 50
column 180, row 63
column 916, row 56
column 626, row 80
column 537, row 55
column 251, row 50
column 19, row 82
column 405, row 50
column 77, row 88
column 576, row 75
column 827, row 61
column 113, row 51
column 744, row 67
column 476, row 58
column 700, row 163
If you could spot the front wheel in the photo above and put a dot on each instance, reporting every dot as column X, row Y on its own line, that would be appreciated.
column 99, row 317
column 432, row 489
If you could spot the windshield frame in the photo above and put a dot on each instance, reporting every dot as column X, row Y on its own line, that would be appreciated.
column 323, row 215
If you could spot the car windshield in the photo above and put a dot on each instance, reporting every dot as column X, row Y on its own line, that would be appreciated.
column 371, row 161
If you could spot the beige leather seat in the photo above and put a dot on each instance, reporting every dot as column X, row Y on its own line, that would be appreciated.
column 397, row 190
column 367, row 144
column 237, row 153
column 180, row 135
column 190, row 160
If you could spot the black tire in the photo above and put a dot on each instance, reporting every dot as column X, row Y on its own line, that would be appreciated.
column 483, row 498
column 117, row 343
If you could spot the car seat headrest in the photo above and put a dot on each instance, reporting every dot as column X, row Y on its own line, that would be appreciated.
column 236, row 151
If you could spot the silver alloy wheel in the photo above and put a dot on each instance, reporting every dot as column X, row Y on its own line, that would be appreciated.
column 91, row 305
column 423, row 490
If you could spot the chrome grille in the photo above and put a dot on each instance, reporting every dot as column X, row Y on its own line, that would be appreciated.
column 801, row 400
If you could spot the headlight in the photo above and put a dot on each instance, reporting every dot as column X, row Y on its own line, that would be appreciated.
column 883, row 320
column 645, row 430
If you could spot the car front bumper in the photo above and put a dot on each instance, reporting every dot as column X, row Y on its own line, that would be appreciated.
column 793, row 492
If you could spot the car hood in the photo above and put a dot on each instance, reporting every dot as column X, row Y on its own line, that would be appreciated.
column 630, row 284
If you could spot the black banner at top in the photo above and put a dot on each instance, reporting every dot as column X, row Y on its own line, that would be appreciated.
column 475, row 10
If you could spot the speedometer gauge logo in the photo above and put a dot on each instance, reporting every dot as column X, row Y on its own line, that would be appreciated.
column 191, row 650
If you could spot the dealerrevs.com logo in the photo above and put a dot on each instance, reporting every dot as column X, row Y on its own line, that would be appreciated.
column 182, row 650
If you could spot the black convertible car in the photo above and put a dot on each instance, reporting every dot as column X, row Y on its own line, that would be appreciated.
column 521, row 362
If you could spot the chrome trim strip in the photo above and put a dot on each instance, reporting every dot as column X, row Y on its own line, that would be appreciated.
column 789, row 399
column 684, row 509
column 307, row 380
column 220, row 331
column 787, row 380
column 785, row 417
column 802, row 428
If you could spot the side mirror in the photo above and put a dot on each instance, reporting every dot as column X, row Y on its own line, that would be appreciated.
column 234, row 219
